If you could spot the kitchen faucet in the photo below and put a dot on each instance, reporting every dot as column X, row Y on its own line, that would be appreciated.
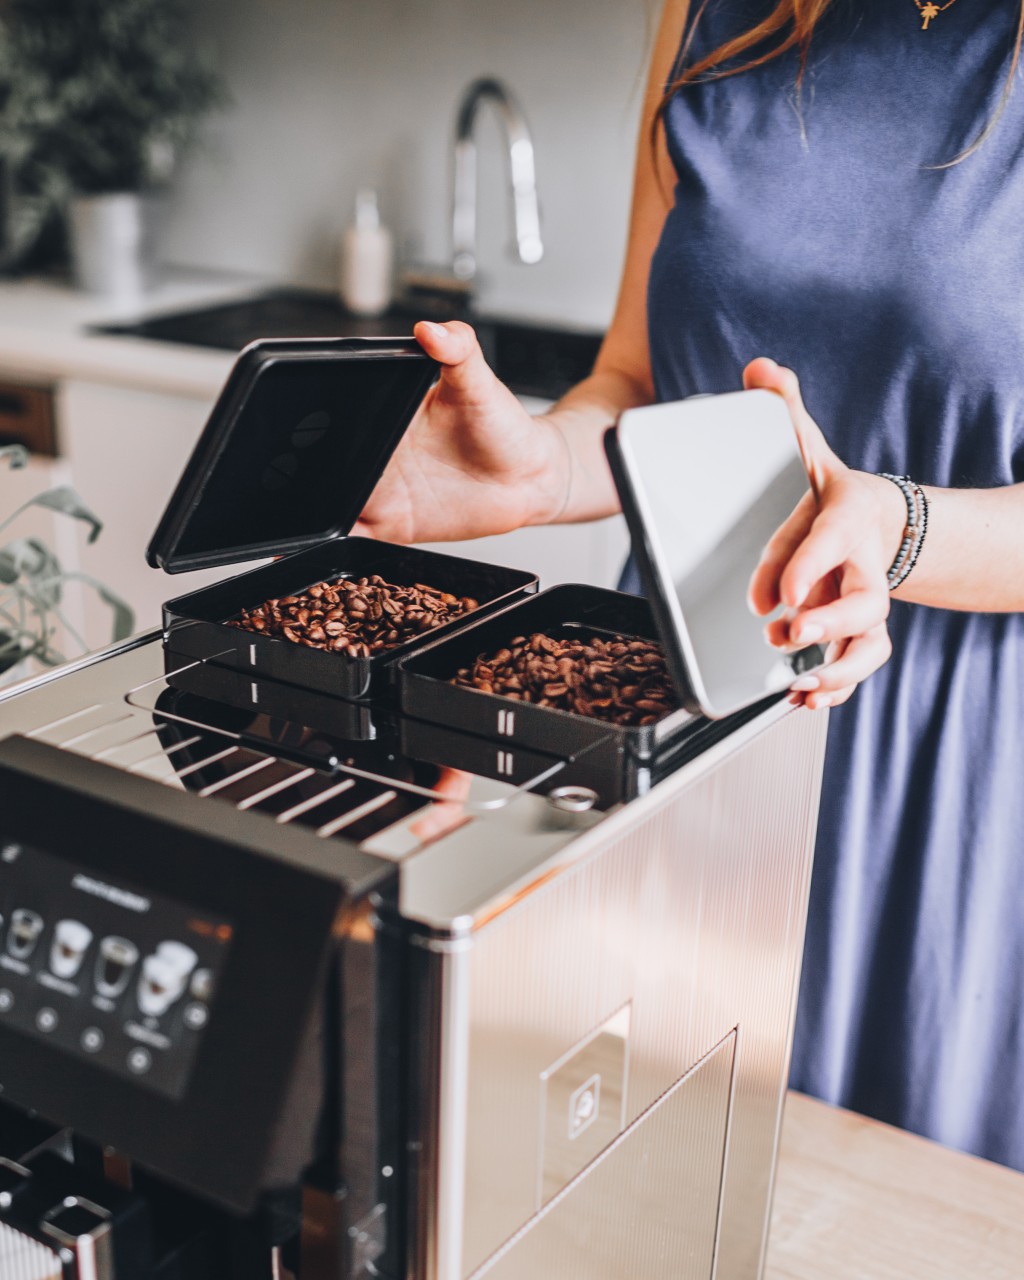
column 524, row 184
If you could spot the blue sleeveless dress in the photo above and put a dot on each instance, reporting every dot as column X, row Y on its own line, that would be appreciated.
column 814, row 227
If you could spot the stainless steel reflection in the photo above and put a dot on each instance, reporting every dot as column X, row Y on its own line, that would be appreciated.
column 89, row 1247
column 23, row 1258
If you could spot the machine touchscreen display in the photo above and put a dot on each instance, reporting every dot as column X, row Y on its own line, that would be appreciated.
column 105, row 971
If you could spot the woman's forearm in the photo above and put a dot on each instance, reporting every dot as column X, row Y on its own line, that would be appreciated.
column 972, row 558
column 973, row 554
column 580, row 419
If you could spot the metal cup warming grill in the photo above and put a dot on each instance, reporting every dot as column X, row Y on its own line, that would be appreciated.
column 340, row 984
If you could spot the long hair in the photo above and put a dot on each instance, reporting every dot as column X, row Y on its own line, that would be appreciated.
column 792, row 23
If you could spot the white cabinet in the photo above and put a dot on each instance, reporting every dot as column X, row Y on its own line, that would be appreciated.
column 125, row 450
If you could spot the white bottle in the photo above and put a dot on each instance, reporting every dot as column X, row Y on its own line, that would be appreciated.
column 367, row 258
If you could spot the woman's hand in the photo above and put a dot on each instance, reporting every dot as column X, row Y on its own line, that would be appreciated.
column 473, row 461
column 827, row 563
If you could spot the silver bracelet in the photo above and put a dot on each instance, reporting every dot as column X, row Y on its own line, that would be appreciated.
column 913, row 534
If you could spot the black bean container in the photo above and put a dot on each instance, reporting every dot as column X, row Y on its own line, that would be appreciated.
column 321, row 730
column 294, row 446
column 611, row 774
column 426, row 691
column 351, row 720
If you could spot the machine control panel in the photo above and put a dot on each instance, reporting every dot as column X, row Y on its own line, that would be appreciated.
column 106, row 971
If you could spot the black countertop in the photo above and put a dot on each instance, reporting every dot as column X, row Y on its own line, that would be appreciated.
column 532, row 358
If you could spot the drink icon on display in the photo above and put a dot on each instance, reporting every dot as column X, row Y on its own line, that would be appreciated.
column 26, row 926
column 71, row 940
column 114, row 964
column 159, row 986
column 183, row 958
column 164, row 977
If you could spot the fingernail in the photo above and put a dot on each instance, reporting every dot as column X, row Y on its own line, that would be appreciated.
column 436, row 330
column 822, row 702
column 806, row 684
column 808, row 633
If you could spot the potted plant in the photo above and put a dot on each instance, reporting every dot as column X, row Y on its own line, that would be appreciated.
column 32, row 583
column 98, row 101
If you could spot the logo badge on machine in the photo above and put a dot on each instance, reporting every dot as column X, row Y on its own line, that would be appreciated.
column 584, row 1106
column 583, row 1099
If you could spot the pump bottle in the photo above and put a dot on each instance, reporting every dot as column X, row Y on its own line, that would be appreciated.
column 367, row 259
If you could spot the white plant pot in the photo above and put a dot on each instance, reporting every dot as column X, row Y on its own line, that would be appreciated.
column 113, row 252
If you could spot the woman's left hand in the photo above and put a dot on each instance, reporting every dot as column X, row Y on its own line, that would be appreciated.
column 827, row 563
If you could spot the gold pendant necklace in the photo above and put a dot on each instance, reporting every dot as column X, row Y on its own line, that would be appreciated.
column 931, row 10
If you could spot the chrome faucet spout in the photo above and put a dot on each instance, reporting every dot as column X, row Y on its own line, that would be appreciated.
column 522, row 171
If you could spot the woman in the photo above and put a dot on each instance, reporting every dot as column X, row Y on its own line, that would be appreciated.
column 806, row 207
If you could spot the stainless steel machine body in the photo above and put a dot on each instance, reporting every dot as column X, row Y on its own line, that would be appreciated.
column 588, row 1012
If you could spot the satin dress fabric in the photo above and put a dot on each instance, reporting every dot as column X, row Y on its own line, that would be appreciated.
column 816, row 224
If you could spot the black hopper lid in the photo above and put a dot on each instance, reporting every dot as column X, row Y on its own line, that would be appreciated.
column 296, row 442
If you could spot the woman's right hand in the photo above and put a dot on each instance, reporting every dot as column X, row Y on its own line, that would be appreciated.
column 473, row 461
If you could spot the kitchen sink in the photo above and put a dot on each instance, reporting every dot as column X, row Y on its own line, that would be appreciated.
column 533, row 359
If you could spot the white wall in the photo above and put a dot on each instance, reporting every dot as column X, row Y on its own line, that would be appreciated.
column 332, row 94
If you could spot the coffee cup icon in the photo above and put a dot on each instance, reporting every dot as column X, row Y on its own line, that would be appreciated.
column 160, row 984
column 71, row 940
column 26, row 926
column 183, row 959
column 114, row 964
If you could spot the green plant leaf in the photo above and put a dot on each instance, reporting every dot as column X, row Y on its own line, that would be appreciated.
column 38, row 568
column 16, row 455
column 87, row 88
column 123, row 623
column 32, row 584
column 8, row 567
column 66, row 501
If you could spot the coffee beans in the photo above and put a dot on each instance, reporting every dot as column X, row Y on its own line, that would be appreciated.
column 356, row 616
column 622, row 679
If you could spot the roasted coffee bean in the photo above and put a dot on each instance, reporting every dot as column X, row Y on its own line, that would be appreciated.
column 623, row 680
column 359, row 617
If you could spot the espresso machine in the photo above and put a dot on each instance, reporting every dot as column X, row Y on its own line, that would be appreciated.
column 320, row 976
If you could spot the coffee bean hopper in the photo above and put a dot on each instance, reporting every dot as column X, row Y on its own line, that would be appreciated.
column 323, row 971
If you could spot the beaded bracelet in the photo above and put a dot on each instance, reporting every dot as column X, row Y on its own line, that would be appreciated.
column 914, row 532
column 915, row 551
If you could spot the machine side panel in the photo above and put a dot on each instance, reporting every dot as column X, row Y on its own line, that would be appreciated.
column 585, row 1235
column 693, row 920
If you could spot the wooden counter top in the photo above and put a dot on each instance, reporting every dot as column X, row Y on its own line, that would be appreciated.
column 858, row 1200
